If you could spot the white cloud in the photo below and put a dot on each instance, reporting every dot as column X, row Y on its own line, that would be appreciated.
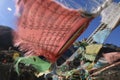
column 9, row 9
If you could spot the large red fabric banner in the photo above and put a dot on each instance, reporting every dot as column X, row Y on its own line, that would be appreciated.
column 47, row 29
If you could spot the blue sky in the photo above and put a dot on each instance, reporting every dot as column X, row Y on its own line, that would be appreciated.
column 114, row 37
column 7, row 9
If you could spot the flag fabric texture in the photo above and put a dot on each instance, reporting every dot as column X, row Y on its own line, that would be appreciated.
column 46, row 28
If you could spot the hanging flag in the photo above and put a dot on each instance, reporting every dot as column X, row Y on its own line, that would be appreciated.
column 46, row 28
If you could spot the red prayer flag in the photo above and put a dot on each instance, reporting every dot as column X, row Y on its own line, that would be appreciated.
column 47, row 29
